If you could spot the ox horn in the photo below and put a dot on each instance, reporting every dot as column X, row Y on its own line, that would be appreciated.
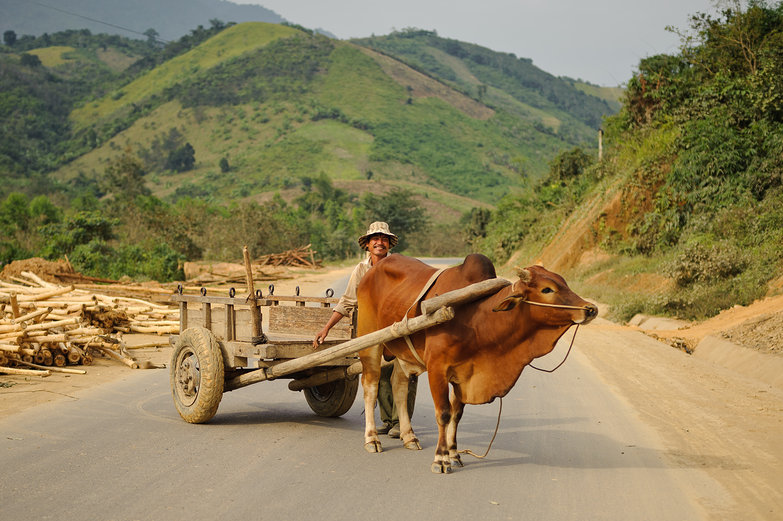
column 524, row 275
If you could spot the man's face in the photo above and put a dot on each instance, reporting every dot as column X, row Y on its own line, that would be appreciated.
column 378, row 244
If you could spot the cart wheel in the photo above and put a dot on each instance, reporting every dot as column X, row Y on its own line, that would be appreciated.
column 197, row 375
column 332, row 399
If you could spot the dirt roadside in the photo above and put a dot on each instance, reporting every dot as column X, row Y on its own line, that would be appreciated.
column 711, row 415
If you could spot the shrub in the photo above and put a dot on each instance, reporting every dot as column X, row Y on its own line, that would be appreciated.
column 138, row 261
column 570, row 164
column 699, row 263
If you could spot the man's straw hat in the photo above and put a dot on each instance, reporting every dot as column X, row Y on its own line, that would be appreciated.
column 375, row 228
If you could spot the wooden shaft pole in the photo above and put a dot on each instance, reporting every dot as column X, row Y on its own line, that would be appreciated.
column 38, row 280
column 59, row 360
column 324, row 377
column 467, row 294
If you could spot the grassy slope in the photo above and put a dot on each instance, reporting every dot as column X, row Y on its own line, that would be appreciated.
column 58, row 55
column 232, row 42
column 515, row 85
column 53, row 56
column 611, row 95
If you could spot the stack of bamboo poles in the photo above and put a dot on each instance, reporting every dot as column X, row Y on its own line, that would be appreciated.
column 47, row 326
column 300, row 257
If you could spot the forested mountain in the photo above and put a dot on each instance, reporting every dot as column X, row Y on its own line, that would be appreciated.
column 234, row 114
column 500, row 145
column 169, row 19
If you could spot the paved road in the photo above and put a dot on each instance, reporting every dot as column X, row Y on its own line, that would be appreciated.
column 568, row 449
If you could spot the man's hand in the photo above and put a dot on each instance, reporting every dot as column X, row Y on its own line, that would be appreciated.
column 320, row 337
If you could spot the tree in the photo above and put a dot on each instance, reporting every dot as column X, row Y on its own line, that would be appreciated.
column 734, row 45
column 44, row 211
column 125, row 177
column 400, row 209
column 30, row 60
column 318, row 192
column 152, row 37
column 182, row 159
column 224, row 166
column 475, row 224
column 14, row 213
column 82, row 228
column 570, row 164
column 9, row 38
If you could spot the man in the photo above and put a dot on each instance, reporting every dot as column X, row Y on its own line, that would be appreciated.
column 377, row 242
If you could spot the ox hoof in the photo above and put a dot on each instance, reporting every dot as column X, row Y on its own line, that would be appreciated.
column 456, row 460
column 413, row 444
column 440, row 468
column 373, row 447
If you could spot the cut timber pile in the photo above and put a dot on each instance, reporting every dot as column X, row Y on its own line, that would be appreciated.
column 303, row 257
column 61, row 272
column 47, row 325
column 269, row 267
column 221, row 273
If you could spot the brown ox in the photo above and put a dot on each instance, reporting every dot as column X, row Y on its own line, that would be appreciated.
column 479, row 352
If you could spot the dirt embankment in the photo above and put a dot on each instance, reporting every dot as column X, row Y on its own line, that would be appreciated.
column 739, row 337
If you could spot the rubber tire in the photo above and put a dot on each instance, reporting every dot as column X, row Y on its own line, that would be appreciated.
column 199, row 404
column 332, row 399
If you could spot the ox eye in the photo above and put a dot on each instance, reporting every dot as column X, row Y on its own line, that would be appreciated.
column 547, row 290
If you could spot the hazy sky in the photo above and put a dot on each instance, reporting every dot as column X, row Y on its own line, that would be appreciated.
column 600, row 41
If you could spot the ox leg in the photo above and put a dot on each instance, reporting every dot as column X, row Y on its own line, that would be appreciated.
column 371, row 374
column 457, row 408
column 400, row 382
column 439, row 387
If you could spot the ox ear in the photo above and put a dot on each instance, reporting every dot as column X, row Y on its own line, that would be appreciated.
column 508, row 303
column 519, row 290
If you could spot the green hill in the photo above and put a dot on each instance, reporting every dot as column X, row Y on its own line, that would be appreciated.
column 500, row 80
column 280, row 104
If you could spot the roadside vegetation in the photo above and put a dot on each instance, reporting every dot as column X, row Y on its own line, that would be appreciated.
column 695, row 163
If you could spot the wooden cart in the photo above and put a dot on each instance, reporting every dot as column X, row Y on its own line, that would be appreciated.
column 222, row 346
